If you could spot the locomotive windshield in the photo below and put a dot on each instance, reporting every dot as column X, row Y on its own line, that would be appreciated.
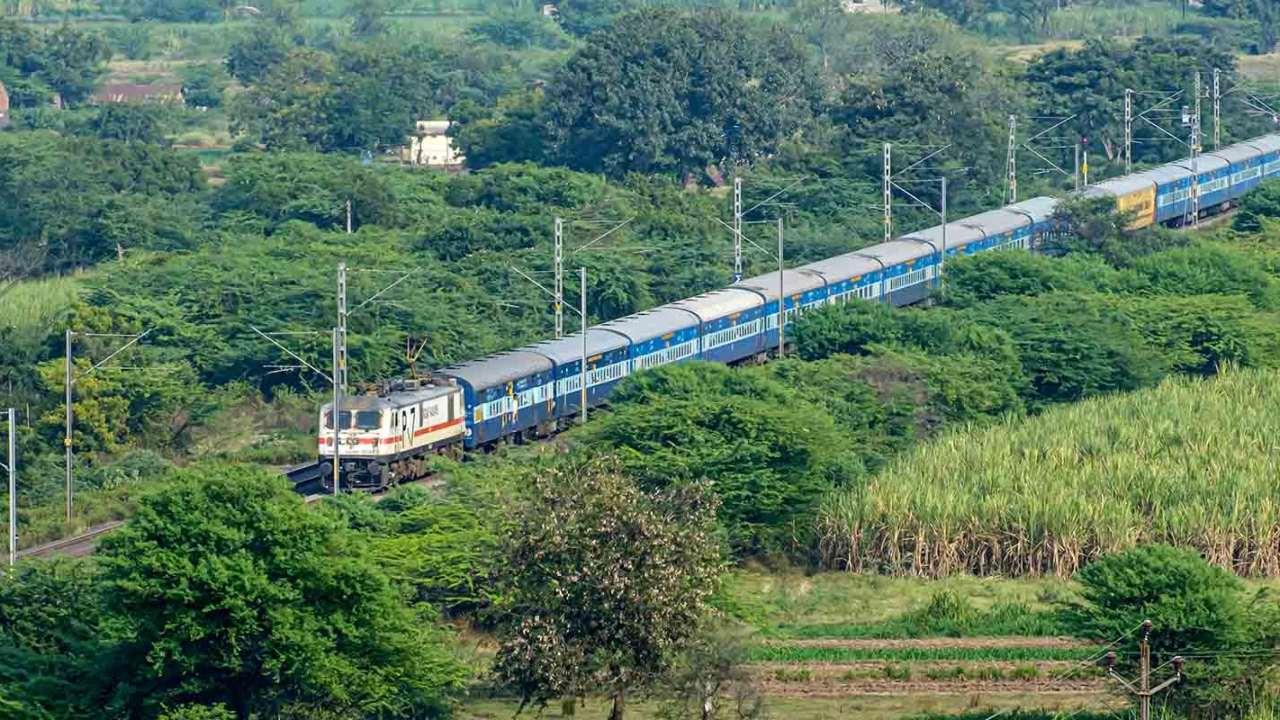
column 368, row 420
column 344, row 420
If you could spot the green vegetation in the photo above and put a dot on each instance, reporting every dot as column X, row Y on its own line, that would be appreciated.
column 223, row 591
column 1047, row 495
column 837, row 654
column 1202, row 613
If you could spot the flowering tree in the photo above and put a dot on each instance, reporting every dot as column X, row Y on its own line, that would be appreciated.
column 606, row 582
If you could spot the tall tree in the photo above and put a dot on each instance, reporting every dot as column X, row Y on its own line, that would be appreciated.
column 661, row 92
column 606, row 583
column 224, row 588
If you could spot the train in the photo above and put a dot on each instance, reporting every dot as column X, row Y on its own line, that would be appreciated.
column 529, row 392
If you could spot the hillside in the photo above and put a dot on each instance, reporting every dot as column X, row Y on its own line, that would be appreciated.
column 1191, row 462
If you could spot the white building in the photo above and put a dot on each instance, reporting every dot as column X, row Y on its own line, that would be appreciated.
column 430, row 146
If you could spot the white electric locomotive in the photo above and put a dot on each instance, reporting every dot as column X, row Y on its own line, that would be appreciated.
column 385, row 438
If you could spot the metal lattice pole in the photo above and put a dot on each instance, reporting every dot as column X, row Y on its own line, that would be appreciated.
column 1195, row 155
column 942, row 261
column 557, row 260
column 1012, row 159
column 1128, row 131
column 340, row 333
column 1217, row 108
column 737, row 229
column 888, row 194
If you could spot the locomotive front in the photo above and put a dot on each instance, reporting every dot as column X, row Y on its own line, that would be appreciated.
column 363, row 425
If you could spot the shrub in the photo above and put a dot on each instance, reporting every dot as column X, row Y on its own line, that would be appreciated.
column 1195, row 609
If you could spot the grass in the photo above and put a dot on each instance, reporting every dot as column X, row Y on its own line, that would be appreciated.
column 1191, row 463
column 783, row 653
column 36, row 304
column 945, row 615
column 847, row 605
column 923, row 706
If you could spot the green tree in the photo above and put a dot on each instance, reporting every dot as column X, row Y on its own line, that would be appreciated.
column 1261, row 202
column 584, row 17
column 662, row 92
column 203, row 85
column 224, row 588
column 605, row 582
column 512, row 131
column 132, row 122
column 292, row 107
column 368, row 18
column 1073, row 345
column 49, row 639
column 71, row 61
column 257, row 50
column 1196, row 609
column 771, row 453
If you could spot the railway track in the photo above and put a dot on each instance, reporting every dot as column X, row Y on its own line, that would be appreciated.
column 74, row 546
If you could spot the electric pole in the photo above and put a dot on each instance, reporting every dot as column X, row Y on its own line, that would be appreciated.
column 348, row 217
column 782, row 300
column 1077, row 171
column 1195, row 155
column 340, row 331
column 1217, row 108
column 737, row 229
column 69, row 381
column 66, row 438
column 942, row 259
column 1144, row 691
column 12, row 467
column 336, row 416
column 558, row 260
column 1128, row 131
column 1011, row 160
column 582, row 310
column 888, row 192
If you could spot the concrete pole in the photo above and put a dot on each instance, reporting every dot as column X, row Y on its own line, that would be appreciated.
column 942, row 262
column 1144, row 677
column 340, row 367
column 582, row 309
column 336, row 416
column 13, row 486
column 782, row 299
column 66, row 439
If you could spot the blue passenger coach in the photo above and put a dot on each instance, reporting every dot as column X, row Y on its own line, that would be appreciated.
column 525, row 391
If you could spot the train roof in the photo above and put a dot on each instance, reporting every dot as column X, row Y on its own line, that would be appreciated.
column 1168, row 173
column 1203, row 164
column 569, row 348
column 896, row 252
column 959, row 234
column 1119, row 186
column 393, row 399
column 1239, row 152
column 498, row 369
column 1267, row 143
column 1039, row 208
column 652, row 323
column 794, row 282
column 721, row 303
column 842, row 267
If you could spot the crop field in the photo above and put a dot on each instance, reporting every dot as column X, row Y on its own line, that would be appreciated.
column 841, row 645
column 1192, row 463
